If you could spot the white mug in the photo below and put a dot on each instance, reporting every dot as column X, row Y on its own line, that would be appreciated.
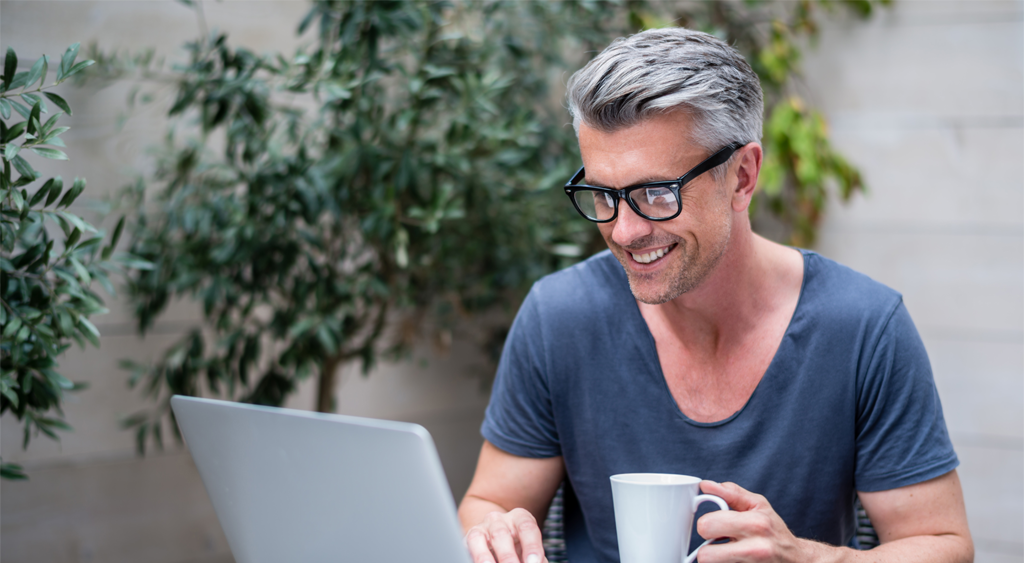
column 654, row 516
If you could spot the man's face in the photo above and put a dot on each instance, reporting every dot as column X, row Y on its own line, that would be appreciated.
column 662, row 259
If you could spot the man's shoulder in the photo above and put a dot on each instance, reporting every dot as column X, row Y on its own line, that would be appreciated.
column 837, row 289
column 601, row 272
column 574, row 290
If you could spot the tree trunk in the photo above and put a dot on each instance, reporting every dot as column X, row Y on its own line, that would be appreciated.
column 328, row 381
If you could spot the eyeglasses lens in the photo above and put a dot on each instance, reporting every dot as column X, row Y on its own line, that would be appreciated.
column 598, row 206
column 655, row 202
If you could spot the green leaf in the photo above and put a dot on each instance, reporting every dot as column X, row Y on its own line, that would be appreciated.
column 67, row 61
column 32, row 99
column 48, row 126
column 45, row 428
column 11, row 151
column 89, row 244
column 10, row 67
column 33, row 118
column 59, row 102
column 134, row 262
column 21, row 109
column 53, row 140
column 58, row 380
column 22, row 334
column 46, row 70
column 109, row 249
column 15, row 131
column 117, row 231
column 78, row 67
column 40, row 193
column 36, row 71
column 70, row 243
column 77, row 221
column 37, row 110
column 7, row 389
column 104, row 281
column 57, row 423
column 12, row 471
column 50, row 153
column 72, row 194
column 90, row 332
column 140, row 439
column 12, row 327
column 80, row 269
column 17, row 200
column 19, row 80
column 24, row 168
column 56, row 185
column 5, row 108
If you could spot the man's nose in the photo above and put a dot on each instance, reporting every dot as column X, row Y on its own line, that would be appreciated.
column 629, row 226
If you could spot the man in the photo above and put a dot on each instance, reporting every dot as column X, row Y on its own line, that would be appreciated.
column 697, row 347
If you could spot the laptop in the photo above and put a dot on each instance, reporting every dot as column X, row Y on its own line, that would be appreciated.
column 292, row 485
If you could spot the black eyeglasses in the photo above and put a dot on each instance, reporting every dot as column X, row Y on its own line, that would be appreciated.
column 655, row 201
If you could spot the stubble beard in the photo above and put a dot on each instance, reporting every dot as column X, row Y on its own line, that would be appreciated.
column 694, row 266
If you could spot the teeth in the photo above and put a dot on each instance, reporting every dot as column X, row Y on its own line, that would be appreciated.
column 649, row 257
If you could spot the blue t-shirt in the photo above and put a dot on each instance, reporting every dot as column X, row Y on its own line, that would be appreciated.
column 847, row 404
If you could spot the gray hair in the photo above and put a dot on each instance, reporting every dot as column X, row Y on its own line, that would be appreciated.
column 662, row 70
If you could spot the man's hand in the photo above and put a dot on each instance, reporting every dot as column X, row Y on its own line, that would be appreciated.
column 510, row 537
column 508, row 496
column 922, row 523
column 758, row 533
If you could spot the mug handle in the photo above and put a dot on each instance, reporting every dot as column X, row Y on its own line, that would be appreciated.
column 696, row 502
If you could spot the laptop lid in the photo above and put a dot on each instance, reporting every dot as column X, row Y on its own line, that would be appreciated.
column 292, row 485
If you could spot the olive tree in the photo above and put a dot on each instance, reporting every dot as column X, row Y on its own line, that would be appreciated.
column 405, row 165
column 50, row 256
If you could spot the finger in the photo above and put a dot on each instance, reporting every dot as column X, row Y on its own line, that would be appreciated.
column 531, row 542
column 502, row 541
column 732, row 552
column 479, row 551
column 734, row 524
column 734, row 495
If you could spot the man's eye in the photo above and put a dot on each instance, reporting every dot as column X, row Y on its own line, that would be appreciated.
column 659, row 195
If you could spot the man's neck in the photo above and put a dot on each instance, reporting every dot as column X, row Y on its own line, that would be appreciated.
column 753, row 279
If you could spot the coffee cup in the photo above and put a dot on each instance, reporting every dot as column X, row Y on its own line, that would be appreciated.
column 654, row 516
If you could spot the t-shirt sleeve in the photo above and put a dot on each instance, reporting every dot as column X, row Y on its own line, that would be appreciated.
column 901, row 434
column 519, row 418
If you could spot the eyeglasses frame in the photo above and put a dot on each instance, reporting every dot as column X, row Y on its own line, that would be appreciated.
column 716, row 159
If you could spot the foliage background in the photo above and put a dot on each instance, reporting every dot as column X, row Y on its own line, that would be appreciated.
column 46, row 293
column 405, row 167
column 942, row 225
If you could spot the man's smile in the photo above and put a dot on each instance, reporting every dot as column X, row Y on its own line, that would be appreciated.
column 652, row 255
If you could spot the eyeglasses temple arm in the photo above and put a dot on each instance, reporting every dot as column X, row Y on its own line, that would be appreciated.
column 710, row 162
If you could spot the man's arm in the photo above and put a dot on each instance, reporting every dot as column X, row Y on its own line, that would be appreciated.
column 509, row 495
column 924, row 523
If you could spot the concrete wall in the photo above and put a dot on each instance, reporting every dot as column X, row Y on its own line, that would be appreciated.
column 928, row 99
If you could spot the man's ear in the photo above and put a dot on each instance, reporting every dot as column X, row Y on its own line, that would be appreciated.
column 747, row 169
